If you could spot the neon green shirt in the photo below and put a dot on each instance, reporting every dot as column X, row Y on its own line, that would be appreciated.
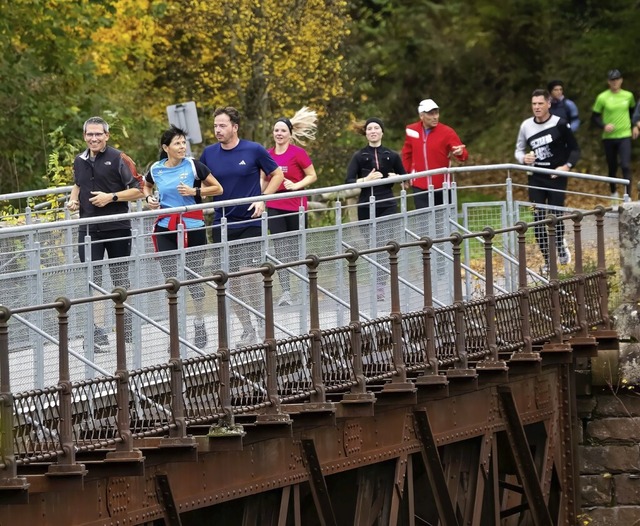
column 614, row 108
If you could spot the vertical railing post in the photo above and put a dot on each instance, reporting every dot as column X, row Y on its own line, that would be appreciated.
column 579, row 270
column 458, row 302
column 358, row 395
column 354, row 324
column 315, row 332
column 431, row 366
column 124, row 450
column 66, row 464
column 493, row 362
column 527, row 353
column 556, row 342
column 399, row 381
column 489, row 293
column 270, row 340
column 8, row 468
column 175, row 361
column 221, row 278
column 602, row 269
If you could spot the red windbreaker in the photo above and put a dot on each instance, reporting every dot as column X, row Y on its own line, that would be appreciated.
column 427, row 152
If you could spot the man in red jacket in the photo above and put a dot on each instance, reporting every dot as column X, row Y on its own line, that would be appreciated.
column 428, row 145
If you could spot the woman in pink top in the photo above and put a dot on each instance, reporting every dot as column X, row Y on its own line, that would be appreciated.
column 298, row 174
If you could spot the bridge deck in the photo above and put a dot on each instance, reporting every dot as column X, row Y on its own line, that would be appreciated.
column 279, row 407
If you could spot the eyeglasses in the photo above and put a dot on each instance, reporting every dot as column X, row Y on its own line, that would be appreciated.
column 97, row 135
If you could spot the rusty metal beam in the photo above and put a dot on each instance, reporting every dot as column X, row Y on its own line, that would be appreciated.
column 165, row 498
column 431, row 459
column 523, row 459
column 398, row 489
column 284, row 506
column 482, row 482
column 319, row 489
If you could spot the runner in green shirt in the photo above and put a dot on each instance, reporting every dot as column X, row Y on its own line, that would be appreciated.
column 612, row 112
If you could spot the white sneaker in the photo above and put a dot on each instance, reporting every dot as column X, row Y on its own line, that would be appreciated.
column 564, row 254
column 285, row 299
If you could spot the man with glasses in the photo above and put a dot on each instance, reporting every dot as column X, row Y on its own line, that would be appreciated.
column 104, row 180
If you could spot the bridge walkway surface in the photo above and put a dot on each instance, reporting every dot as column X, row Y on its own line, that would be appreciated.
column 428, row 378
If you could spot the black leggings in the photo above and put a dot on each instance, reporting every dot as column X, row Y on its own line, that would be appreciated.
column 550, row 192
column 615, row 149
column 281, row 221
column 117, row 244
column 421, row 197
column 166, row 239
column 382, row 234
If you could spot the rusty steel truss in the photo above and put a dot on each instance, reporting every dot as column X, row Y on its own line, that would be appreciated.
column 463, row 414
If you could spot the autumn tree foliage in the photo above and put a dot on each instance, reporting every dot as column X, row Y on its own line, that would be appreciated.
column 267, row 58
column 45, row 79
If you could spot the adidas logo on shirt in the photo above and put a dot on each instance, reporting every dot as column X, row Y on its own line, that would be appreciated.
column 242, row 163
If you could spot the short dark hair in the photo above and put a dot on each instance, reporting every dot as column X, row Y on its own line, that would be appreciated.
column 234, row 115
column 552, row 84
column 95, row 120
column 541, row 93
column 168, row 136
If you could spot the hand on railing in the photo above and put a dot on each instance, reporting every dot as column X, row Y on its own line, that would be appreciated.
column 373, row 175
column 73, row 205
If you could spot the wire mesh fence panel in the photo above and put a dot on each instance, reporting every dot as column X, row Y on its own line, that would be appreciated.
column 568, row 294
column 594, row 312
column 540, row 314
column 445, row 335
column 150, row 394
column 509, row 335
column 414, row 340
column 95, row 409
column 434, row 223
column 475, row 329
column 248, row 370
column 377, row 349
column 36, row 425
column 337, row 357
column 201, row 378
column 293, row 368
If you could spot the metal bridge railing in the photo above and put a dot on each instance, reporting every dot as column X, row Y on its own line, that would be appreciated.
column 420, row 344
column 443, row 314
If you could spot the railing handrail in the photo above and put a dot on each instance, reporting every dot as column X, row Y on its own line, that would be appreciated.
column 307, row 192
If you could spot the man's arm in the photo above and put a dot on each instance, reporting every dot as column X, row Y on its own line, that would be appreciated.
column 276, row 178
column 635, row 122
column 574, row 119
column 274, row 183
column 521, row 146
column 596, row 115
column 456, row 148
column 73, row 203
column 132, row 180
column 407, row 151
column 572, row 146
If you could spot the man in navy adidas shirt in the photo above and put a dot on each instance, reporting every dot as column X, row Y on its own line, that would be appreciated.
column 237, row 164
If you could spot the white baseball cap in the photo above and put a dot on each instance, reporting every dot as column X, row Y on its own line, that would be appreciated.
column 427, row 105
